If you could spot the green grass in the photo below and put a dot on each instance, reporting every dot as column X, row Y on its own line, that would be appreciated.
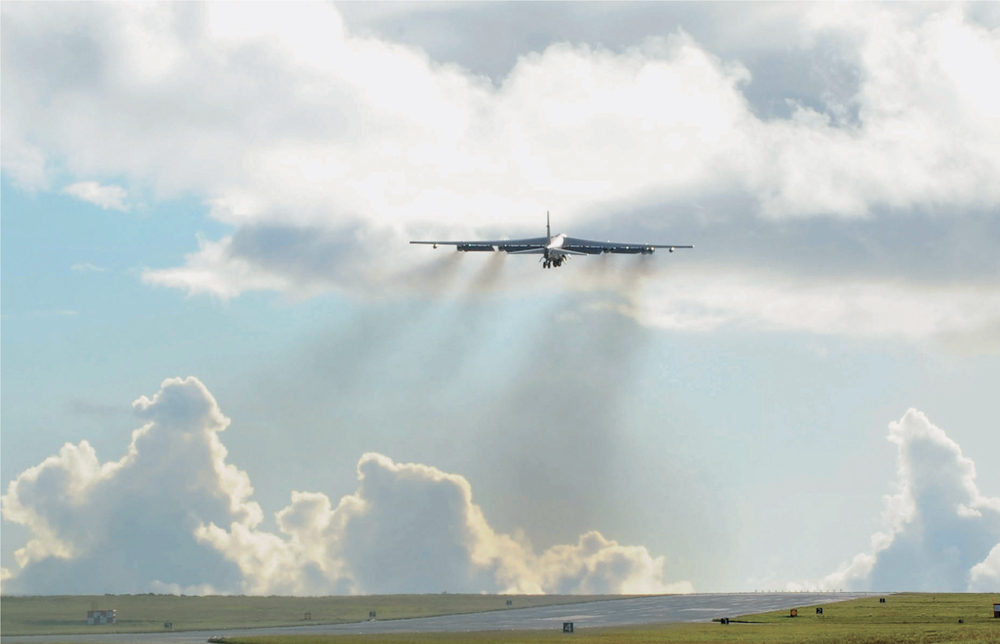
column 908, row 618
column 904, row 619
column 55, row 615
column 904, row 608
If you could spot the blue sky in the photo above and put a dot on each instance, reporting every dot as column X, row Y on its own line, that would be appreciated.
column 227, row 195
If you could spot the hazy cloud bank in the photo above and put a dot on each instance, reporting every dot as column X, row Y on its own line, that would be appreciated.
column 173, row 515
column 328, row 150
column 942, row 533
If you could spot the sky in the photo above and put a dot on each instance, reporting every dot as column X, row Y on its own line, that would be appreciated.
column 225, row 370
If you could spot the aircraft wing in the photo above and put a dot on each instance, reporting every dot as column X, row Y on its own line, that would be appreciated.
column 597, row 247
column 526, row 246
column 535, row 244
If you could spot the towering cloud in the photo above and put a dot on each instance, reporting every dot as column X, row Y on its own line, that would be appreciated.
column 942, row 533
column 174, row 515
column 125, row 525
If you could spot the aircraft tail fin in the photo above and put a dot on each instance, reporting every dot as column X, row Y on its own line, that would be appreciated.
column 548, row 226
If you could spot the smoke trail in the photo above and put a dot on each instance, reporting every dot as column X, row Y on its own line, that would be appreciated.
column 634, row 277
column 488, row 277
column 543, row 425
column 597, row 267
column 351, row 357
column 554, row 431
column 454, row 328
column 435, row 277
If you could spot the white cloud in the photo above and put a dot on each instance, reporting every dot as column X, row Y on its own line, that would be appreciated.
column 414, row 528
column 86, row 267
column 118, row 525
column 985, row 575
column 214, row 270
column 327, row 150
column 912, row 148
column 104, row 196
column 25, row 163
column 705, row 301
column 941, row 533
column 173, row 515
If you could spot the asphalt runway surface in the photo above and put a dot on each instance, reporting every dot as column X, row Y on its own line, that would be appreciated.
column 617, row 612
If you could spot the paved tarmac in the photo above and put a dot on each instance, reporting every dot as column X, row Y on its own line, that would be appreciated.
column 617, row 612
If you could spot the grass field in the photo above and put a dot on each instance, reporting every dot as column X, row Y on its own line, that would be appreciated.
column 904, row 619
column 908, row 618
column 144, row 613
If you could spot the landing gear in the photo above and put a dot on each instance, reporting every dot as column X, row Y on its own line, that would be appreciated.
column 554, row 262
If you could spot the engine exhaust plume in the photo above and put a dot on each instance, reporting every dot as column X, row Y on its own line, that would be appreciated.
column 433, row 277
column 487, row 278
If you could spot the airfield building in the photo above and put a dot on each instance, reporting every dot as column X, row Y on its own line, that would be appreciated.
column 97, row 617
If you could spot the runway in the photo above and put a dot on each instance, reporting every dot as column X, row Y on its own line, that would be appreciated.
column 618, row 612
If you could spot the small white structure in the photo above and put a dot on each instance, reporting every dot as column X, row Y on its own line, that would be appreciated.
column 97, row 617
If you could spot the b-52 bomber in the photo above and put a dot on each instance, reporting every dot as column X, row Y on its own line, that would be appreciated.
column 554, row 249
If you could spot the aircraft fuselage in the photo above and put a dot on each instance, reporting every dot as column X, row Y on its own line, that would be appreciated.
column 554, row 254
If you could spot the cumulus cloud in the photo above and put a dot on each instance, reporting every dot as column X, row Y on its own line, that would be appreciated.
column 985, row 575
column 173, row 515
column 942, row 533
column 104, row 196
column 120, row 525
column 327, row 150
column 414, row 528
